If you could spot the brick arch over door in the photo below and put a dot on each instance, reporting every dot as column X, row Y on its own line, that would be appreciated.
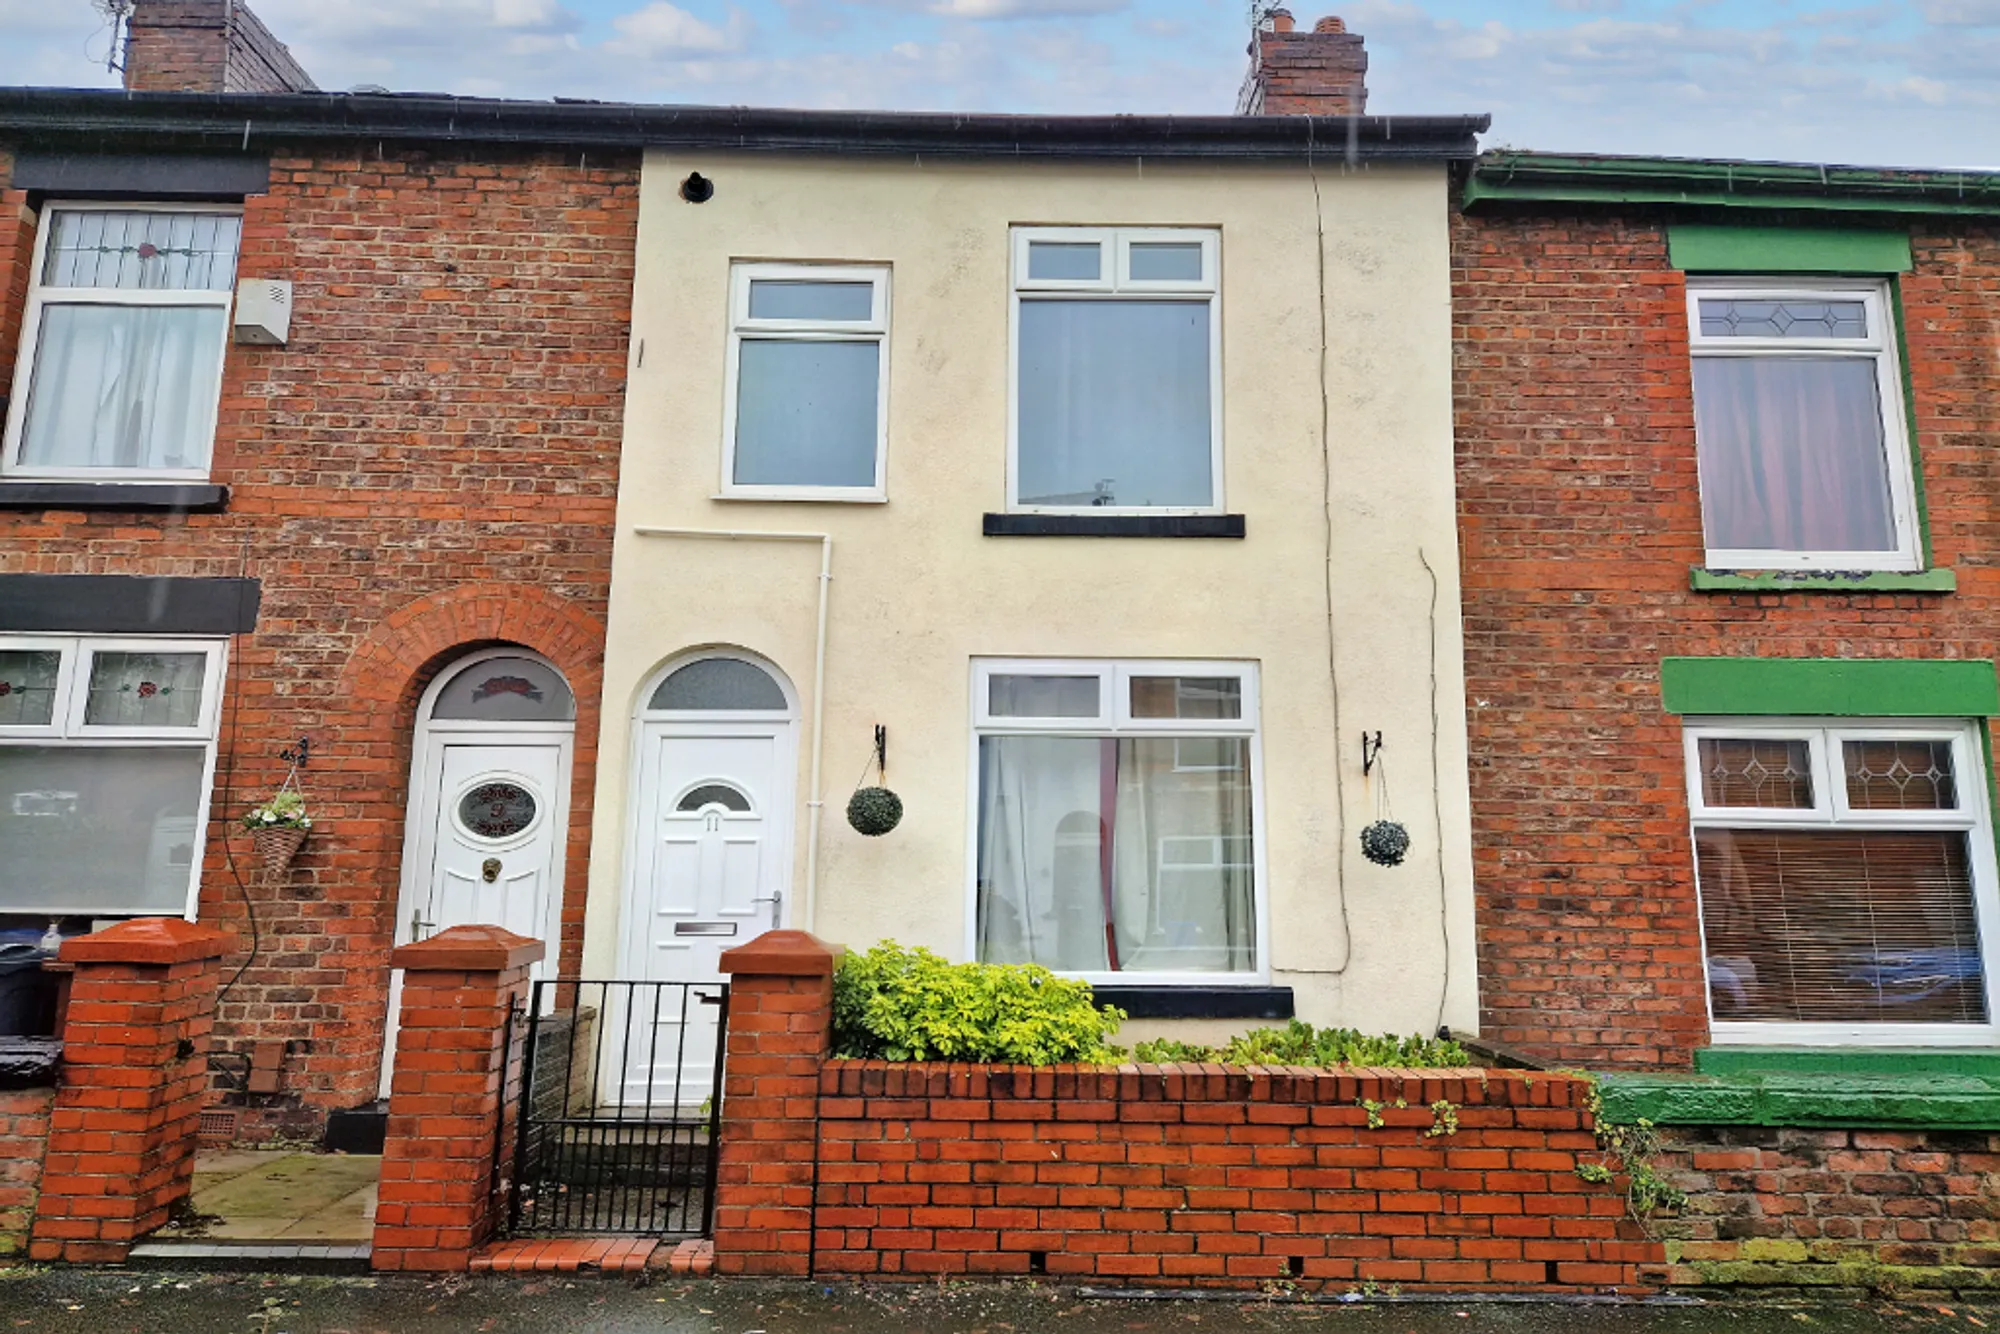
column 383, row 682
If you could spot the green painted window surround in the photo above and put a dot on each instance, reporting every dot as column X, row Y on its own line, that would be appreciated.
column 1710, row 248
column 1822, row 581
column 1831, row 687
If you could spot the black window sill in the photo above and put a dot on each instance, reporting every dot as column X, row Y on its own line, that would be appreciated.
column 1198, row 1002
column 141, row 497
column 1114, row 525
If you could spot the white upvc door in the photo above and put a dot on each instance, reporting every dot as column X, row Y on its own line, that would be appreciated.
column 489, row 822
column 710, row 868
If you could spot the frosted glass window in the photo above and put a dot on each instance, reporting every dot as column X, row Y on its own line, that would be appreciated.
column 28, row 687
column 507, row 689
column 1065, row 260
column 123, row 347
column 99, row 830
column 797, row 299
column 719, row 684
column 145, row 689
column 806, row 413
column 1171, row 261
column 808, row 376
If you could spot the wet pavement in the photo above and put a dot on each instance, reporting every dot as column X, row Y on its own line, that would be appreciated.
column 121, row 1302
column 279, row 1195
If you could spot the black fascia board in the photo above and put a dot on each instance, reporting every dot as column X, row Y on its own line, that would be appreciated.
column 248, row 121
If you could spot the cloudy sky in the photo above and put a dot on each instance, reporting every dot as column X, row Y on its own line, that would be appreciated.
column 1904, row 82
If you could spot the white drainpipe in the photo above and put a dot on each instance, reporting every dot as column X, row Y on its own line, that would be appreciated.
column 813, row 801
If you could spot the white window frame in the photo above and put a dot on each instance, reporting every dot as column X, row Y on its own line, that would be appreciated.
column 1831, row 811
column 743, row 328
column 1114, row 283
column 1114, row 719
column 40, row 297
column 67, row 730
column 1879, row 347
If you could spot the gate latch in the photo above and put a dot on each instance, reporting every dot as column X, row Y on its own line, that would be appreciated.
column 489, row 870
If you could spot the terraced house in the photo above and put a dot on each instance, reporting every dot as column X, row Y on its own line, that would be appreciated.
column 1100, row 466
column 1726, row 436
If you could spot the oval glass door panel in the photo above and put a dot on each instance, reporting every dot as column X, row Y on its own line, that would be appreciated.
column 500, row 808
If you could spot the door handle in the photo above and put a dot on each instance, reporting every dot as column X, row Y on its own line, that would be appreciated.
column 418, row 925
column 777, row 901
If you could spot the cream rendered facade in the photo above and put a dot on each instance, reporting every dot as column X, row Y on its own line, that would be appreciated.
column 918, row 594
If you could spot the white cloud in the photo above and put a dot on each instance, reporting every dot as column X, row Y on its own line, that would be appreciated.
column 661, row 29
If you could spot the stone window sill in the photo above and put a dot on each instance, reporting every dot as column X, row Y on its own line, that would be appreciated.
column 137, row 497
column 1141, row 1002
column 1823, row 581
column 1114, row 525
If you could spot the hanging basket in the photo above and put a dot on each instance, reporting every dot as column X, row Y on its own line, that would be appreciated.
column 1385, row 843
column 278, row 845
column 874, row 811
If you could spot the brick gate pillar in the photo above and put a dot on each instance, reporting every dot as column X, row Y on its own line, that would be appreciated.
column 780, row 1031
column 451, row 1096
column 134, row 1076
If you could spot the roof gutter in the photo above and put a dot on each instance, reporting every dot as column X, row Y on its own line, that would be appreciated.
column 1547, row 178
column 63, row 115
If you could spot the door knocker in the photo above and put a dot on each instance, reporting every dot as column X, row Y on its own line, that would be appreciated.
column 489, row 870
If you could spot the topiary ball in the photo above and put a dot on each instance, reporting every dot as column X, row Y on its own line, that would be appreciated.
column 874, row 811
column 1385, row 843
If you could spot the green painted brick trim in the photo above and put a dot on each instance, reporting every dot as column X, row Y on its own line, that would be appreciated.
column 1877, row 1101
column 1835, row 687
column 1779, row 581
column 1970, row 1062
column 1709, row 248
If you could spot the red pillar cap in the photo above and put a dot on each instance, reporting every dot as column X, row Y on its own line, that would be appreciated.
column 784, row 954
column 154, row 940
column 469, row 949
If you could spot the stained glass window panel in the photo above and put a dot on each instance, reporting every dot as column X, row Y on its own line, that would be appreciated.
column 145, row 689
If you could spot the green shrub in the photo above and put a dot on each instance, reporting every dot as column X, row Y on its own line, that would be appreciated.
column 911, row 1005
column 1299, row 1043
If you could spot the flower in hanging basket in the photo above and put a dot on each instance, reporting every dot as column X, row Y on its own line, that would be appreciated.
column 285, row 810
column 874, row 811
column 1385, row 843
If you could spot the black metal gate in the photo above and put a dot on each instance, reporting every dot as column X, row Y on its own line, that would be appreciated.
column 618, row 1112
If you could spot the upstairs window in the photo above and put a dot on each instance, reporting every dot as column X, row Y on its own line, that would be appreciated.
column 121, row 352
column 1846, row 881
column 1805, row 459
column 1117, row 370
column 808, row 383
column 106, row 752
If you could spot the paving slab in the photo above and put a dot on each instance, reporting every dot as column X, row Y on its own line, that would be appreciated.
column 281, row 1195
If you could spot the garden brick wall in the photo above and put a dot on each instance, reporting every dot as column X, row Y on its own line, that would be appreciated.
column 1888, row 1210
column 1152, row 1175
column 24, row 1139
column 1580, row 518
column 429, row 466
column 1213, row 1176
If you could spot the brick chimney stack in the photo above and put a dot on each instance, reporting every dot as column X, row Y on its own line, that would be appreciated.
column 206, row 46
column 1317, row 73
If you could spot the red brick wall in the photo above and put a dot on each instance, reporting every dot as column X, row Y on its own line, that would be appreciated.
column 24, row 1138
column 1317, row 73
column 1856, row 1208
column 1211, row 1176
column 430, row 465
column 1579, row 521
